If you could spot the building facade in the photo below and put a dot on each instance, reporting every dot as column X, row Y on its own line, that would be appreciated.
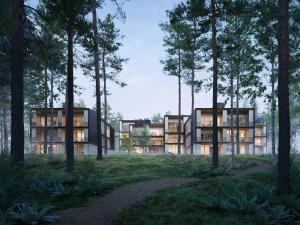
column 196, row 132
column 172, row 133
column 85, row 131
column 136, row 128
column 199, row 134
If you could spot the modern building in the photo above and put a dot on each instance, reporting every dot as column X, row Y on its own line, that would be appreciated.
column 196, row 132
column 172, row 132
column 85, row 131
column 199, row 133
column 136, row 127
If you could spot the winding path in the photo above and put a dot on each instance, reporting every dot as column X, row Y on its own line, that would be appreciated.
column 104, row 210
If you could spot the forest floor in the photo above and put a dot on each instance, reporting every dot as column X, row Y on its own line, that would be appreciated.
column 196, row 196
column 104, row 210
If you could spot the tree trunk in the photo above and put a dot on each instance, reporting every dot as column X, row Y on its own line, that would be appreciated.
column 273, row 108
column 51, row 119
column 2, row 136
column 69, row 104
column 46, row 111
column 5, row 131
column 238, row 113
column 231, row 118
column 17, row 82
column 105, row 102
column 179, row 100
column 97, row 80
column 193, row 88
column 283, row 100
column 215, row 153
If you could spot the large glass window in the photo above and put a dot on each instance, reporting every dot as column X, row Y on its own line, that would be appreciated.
column 80, row 135
column 206, row 135
column 173, row 138
column 78, row 119
column 244, row 121
column 244, row 135
column 156, row 131
column 173, row 125
column 156, row 141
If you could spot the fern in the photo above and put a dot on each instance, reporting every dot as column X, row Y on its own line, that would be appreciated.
column 216, row 202
column 245, row 203
column 30, row 214
column 60, row 190
column 272, row 215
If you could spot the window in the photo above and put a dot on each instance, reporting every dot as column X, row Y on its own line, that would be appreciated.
column 173, row 138
column 79, row 135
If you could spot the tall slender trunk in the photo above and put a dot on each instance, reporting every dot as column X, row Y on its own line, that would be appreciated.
column 231, row 118
column 51, row 119
column 1, row 136
column 70, row 103
column 46, row 111
column 215, row 153
column 273, row 108
column 5, row 130
column 238, row 113
column 105, row 101
column 179, row 100
column 17, row 82
column 193, row 87
column 238, row 76
column 284, row 144
column 97, row 80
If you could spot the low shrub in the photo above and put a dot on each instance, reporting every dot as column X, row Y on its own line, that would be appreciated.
column 28, row 214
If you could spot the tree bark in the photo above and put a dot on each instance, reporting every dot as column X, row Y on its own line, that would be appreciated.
column 97, row 80
column 69, row 138
column 105, row 101
column 273, row 108
column 231, row 118
column 46, row 111
column 284, row 144
column 1, row 136
column 17, row 82
column 193, row 88
column 238, row 113
column 215, row 153
column 179, row 100
column 5, row 130
column 51, row 119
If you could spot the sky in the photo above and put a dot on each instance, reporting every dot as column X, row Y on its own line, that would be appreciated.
column 149, row 90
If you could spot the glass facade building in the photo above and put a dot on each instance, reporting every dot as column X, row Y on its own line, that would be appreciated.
column 195, row 133
column 85, row 131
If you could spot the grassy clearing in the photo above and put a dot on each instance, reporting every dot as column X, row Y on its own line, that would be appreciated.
column 45, row 183
column 222, row 200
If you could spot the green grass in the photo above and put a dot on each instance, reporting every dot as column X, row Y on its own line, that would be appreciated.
column 184, row 205
column 92, row 178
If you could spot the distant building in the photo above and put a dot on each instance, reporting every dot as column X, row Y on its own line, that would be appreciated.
column 135, row 127
column 171, row 124
column 252, row 136
column 85, row 131
column 197, row 130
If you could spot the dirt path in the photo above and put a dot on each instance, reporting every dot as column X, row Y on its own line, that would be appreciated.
column 259, row 168
column 104, row 210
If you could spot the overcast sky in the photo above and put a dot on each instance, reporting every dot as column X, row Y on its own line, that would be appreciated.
column 149, row 90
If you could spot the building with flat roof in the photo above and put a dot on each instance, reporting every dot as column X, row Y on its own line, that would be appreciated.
column 199, row 134
column 196, row 132
column 85, row 131
column 172, row 133
column 136, row 127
